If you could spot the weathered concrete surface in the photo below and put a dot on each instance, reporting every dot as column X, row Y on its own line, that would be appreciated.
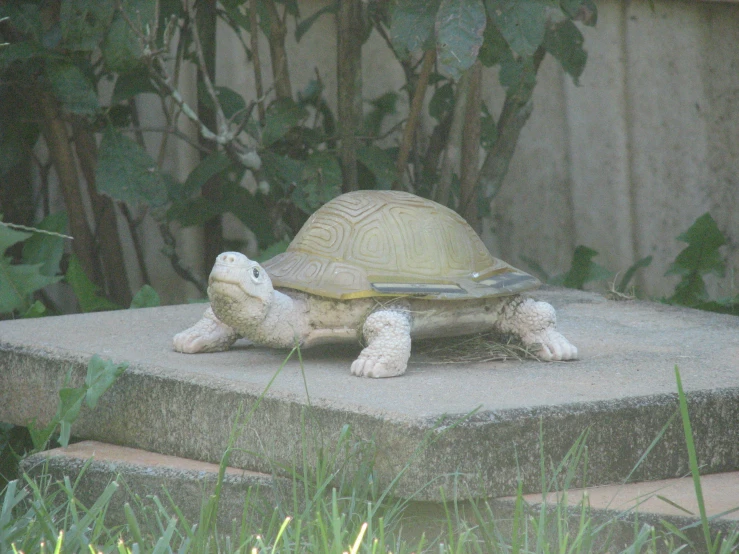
column 622, row 389
column 143, row 475
column 187, row 482
column 664, row 497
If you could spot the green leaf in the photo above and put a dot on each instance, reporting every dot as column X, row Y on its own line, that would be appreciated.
column 211, row 165
column 583, row 270
column 121, row 48
column 382, row 106
column 251, row 210
column 126, row 172
column 442, row 101
column 9, row 237
column 321, row 181
column 19, row 129
column 412, row 25
column 44, row 249
column 37, row 309
column 488, row 128
column 40, row 436
column 702, row 255
column 459, row 35
column 644, row 262
column 19, row 51
column 521, row 22
column 70, row 404
column 147, row 297
column 272, row 250
column 132, row 84
column 380, row 164
column 517, row 74
column 564, row 42
column 282, row 171
column 194, row 211
column 84, row 22
column 231, row 101
column 18, row 282
column 303, row 27
column 24, row 17
column 72, row 88
column 85, row 290
column 493, row 48
column 282, row 115
column 101, row 374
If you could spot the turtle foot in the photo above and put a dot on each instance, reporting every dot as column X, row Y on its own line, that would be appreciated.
column 388, row 337
column 207, row 335
column 552, row 346
column 535, row 323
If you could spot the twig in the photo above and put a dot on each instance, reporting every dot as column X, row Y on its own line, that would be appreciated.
column 167, row 131
column 516, row 111
column 34, row 230
column 278, row 54
column 349, row 87
column 220, row 122
column 170, row 250
column 413, row 116
column 57, row 141
column 254, row 40
column 469, row 166
column 137, row 248
column 451, row 157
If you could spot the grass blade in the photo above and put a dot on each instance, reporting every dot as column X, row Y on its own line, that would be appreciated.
column 693, row 461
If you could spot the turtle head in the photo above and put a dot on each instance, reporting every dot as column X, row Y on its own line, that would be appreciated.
column 239, row 289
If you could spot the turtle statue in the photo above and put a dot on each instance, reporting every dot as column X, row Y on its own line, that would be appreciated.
column 376, row 267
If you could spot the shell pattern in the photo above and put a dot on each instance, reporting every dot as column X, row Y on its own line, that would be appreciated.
column 392, row 243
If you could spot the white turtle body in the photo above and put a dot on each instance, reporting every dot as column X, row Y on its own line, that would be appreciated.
column 244, row 303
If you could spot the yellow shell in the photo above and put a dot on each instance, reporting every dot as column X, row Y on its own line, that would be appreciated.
column 391, row 243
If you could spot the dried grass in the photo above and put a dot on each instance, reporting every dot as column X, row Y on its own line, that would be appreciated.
column 483, row 347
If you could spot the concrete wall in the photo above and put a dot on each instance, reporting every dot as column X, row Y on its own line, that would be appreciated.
column 623, row 163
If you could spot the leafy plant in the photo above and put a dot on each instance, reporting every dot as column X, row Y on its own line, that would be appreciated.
column 101, row 374
column 37, row 268
column 271, row 159
column 701, row 257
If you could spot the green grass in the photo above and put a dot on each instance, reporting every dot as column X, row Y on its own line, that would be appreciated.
column 336, row 507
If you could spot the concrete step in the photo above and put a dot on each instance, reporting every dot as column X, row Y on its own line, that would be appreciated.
column 143, row 475
column 622, row 390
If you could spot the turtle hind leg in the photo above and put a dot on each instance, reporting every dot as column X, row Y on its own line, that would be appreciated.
column 209, row 334
column 535, row 323
column 387, row 334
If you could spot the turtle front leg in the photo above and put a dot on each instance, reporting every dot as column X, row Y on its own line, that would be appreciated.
column 387, row 334
column 209, row 334
column 535, row 323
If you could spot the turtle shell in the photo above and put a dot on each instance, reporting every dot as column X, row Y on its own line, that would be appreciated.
column 391, row 243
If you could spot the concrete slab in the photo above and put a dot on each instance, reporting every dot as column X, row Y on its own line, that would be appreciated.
column 664, row 497
column 622, row 390
column 143, row 475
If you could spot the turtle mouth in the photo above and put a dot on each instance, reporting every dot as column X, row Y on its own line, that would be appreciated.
column 219, row 288
column 227, row 274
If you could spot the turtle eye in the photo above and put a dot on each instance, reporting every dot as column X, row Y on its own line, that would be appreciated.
column 255, row 272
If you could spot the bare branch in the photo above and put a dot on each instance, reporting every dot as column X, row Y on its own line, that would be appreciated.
column 349, row 84
column 414, row 115
column 451, row 159
column 471, row 149
column 516, row 111
column 254, row 41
